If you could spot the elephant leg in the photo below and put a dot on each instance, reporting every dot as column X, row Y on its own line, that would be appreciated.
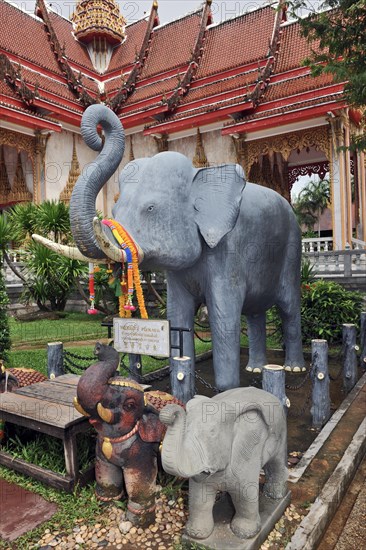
column 245, row 496
column 225, row 319
column 141, row 489
column 257, row 342
column 181, row 308
column 109, row 480
column 276, row 474
column 289, row 310
column 201, row 500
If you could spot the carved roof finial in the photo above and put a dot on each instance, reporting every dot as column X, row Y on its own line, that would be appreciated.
column 199, row 159
column 132, row 156
column 98, row 19
column 20, row 192
column 74, row 173
column 4, row 179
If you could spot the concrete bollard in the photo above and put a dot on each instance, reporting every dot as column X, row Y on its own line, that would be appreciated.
column 273, row 381
column 182, row 378
column 349, row 357
column 363, row 340
column 135, row 365
column 320, row 408
column 55, row 359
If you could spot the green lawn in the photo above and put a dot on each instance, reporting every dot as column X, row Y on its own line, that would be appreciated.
column 73, row 327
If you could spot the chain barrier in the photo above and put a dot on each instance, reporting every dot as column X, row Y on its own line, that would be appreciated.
column 70, row 366
column 132, row 373
column 201, row 339
column 205, row 384
column 299, row 413
column 156, row 376
column 302, row 382
column 79, row 357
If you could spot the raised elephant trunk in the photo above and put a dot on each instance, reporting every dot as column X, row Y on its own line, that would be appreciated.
column 175, row 459
column 95, row 175
column 93, row 383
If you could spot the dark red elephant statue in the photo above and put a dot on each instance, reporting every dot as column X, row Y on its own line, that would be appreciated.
column 129, row 433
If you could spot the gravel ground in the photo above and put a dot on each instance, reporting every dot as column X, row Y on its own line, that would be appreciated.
column 354, row 533
column 115, row 532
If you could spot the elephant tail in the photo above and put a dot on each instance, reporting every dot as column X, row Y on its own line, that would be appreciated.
column 95, row 174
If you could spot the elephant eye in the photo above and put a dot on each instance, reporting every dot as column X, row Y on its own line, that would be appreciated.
column 150, row 208
column 129, row 406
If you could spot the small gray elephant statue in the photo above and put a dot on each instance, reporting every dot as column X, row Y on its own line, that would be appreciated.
column 232, row 245
column 221, row 444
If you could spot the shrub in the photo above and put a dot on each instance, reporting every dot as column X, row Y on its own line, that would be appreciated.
column 325, row 306
column 4, row 324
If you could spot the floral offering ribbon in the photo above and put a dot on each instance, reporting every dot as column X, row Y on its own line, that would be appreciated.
column 133, row 274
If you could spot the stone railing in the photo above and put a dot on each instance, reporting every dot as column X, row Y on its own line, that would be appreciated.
column 338, row 263
column 357, row 244
column 321, row 244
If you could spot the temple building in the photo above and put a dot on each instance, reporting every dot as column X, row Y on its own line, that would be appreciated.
column 231, row 91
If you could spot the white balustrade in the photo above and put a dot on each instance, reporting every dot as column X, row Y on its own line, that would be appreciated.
column 322, row 244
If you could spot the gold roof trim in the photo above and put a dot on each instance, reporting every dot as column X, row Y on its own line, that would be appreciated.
column 74, row 173
column 98, row 18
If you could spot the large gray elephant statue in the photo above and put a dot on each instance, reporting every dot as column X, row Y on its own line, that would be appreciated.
column 232, row 245
column 221, row 444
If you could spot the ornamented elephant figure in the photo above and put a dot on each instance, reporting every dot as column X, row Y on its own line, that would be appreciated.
column 232, row 245
column 221, row 444
column 129, row 433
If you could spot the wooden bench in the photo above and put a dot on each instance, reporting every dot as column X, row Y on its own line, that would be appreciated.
column 47, row 407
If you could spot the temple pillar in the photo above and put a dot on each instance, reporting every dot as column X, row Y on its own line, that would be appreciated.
column 361, row 171
column 39, row 186
column 338, row 179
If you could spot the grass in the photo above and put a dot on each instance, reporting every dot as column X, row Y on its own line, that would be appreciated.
column 46, row 451
column 72, row 327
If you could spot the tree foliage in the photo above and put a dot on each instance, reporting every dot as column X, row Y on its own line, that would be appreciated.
column 311, row 203
column 337, row 33
column 48, row 278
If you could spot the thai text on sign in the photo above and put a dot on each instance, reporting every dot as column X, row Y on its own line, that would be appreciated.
column 142, row 337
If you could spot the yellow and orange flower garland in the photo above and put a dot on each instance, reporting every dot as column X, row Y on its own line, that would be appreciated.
column 133, row 274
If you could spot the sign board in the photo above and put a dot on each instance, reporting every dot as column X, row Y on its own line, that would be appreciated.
column 142, row 336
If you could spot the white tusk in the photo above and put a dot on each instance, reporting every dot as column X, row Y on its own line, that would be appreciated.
column 69, row 251
column 111, row 250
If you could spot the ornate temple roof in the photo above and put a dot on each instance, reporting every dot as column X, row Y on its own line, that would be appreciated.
column 243, row 74
column 98, row 18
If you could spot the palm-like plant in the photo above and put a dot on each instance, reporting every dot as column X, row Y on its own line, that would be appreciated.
column 311, row 203
column 48, row 278
column 54, row 220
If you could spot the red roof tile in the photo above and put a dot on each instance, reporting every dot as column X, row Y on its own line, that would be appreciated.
column 221, row 86
column 237, row 41
column 172, row 45
column 25, row 37
column 156, row 88
column 294, row 48
column 124, row 54
column 296, row 85
column 74, row 50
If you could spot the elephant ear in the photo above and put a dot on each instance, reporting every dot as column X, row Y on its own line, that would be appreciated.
column 151, row 430
column 217, row 194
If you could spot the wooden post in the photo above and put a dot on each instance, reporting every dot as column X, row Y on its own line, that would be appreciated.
column 363, row 340
column 349, row 357
column 273, row 381
column 55, row 359
column 320, row 408
column 135, row 364
column 182, row 378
